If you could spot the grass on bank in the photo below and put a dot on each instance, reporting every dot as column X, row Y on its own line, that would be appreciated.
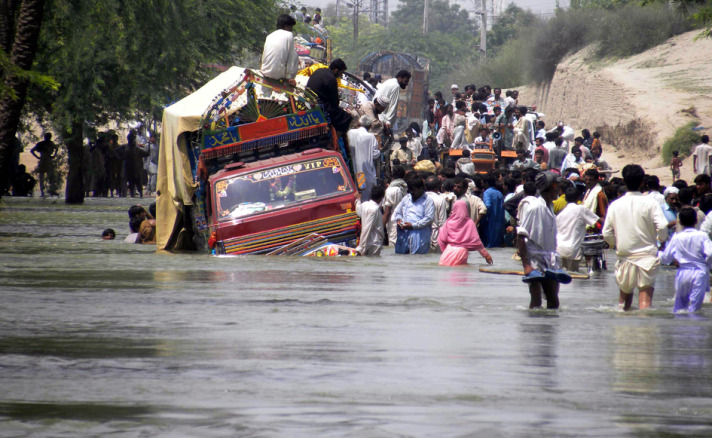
column 683, row 140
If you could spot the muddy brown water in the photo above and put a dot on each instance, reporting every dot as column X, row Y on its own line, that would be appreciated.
column 106, row 338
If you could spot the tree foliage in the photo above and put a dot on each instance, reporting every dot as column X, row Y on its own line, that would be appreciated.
column 508, row 26
column 119, row 60
column 599, row 4
column 444, row 17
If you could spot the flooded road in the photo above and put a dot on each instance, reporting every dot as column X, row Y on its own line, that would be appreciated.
column 101, row 337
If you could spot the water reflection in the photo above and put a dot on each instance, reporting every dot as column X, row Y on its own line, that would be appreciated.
column 82, row 347
column 73, row 411
column 636, row 358
column 687, row 360
column 538, row 341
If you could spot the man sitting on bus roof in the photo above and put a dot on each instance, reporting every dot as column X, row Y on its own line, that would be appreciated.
column 279, row 58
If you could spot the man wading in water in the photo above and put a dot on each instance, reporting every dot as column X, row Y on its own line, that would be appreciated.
column 537, row 243
column 634, row 224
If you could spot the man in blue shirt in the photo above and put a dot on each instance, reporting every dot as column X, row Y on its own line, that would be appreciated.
column 414, row 217
column 493, row 223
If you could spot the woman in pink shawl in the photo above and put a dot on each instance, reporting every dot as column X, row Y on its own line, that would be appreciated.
column 458, row 237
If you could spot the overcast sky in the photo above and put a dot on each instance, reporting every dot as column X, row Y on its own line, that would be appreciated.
column 536, row 6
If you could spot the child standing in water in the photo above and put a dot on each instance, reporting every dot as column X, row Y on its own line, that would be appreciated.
column 675, row 165
column 692, row 251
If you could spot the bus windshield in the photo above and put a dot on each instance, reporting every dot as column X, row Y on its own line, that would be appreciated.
column 280, row 187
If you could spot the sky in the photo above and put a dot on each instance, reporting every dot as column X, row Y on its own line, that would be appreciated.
column 536, row 6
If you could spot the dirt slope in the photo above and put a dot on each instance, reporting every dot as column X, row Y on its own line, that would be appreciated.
column 637, row 102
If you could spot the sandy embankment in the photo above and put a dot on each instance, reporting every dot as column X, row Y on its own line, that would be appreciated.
column 635, row 103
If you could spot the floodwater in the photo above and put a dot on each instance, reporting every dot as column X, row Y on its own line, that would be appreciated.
column 106, row 338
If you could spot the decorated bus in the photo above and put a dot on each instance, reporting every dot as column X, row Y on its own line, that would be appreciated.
column 250, row 165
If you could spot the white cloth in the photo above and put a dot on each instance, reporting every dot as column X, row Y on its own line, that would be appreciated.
column 415, row 146
column 568, row 133
column 389, row 91
column 475, row 206
column 279, row 58
column 590, row 199
column 371, row 239
column 702, row 152
column 634, row 223
column 537, row 223
column 706, row 226
column 571, row 161
column 364, row 147
column 465, row 166
column 571, row 225
column 440, row 218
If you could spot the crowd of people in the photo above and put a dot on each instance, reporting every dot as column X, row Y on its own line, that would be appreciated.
column 302, row 16
column 113, row 169
column 108, row 167
column 544, row 203
column 543, row 207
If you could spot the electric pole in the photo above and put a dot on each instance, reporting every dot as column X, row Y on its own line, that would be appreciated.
column 425, row 17
column 356, row 4
column 483, row 31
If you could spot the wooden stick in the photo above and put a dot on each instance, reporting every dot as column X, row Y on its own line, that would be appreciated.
column 573, row 275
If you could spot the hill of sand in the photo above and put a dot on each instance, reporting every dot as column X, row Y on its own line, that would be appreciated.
column 635, row 103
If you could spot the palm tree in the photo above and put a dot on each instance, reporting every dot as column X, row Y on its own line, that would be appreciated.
column 22, row 54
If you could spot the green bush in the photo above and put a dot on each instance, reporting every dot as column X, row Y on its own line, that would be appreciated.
column 683, row 140
column 566, row 33
column 633, row 29
column 507, row 70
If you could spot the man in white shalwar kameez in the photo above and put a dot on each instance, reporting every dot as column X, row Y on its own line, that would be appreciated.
column 279, row 58
column 364, row 151
column 522, row 130
column 371, row 239
column 634, row 224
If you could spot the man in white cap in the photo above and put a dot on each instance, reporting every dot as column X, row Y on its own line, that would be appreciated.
column 364, row 151
column 671, row 208
column 389, row 93
column 454, row 89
